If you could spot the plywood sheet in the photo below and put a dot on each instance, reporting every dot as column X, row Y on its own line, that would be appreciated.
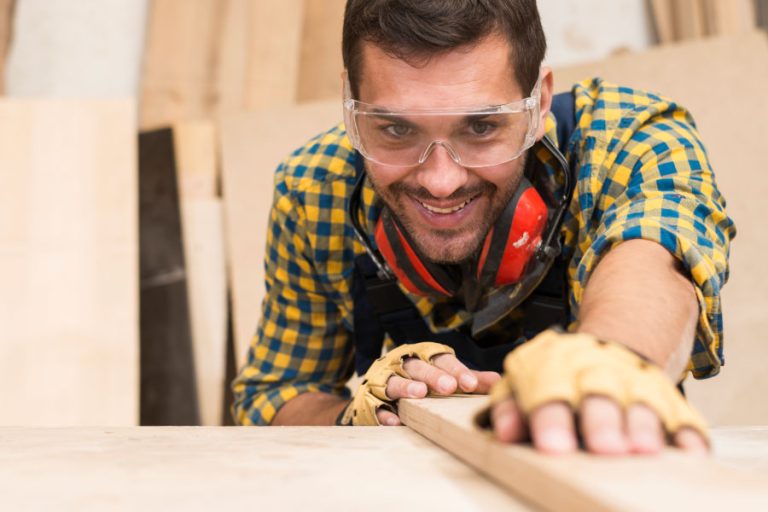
column 286, row 468
column 321, row 62
column 253, row 145
column 88, row 48
column 669, row 481
column 195, row 146
column 210, row 57
column 68, row 263
column 732, row 127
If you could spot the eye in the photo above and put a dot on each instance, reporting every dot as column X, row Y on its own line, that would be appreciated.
column 398, row 130
column 481, row 127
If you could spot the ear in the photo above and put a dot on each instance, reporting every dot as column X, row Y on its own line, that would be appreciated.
column 547, row 87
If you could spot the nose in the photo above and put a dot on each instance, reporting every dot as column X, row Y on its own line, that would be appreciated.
column 439, row 172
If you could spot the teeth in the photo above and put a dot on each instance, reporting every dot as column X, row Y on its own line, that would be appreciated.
column 445, row 211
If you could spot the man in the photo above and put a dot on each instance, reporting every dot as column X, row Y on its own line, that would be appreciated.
column 454, row 208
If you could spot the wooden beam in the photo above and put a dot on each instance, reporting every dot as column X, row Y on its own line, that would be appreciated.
column 6, row 35
column 69, row 348
column 321, row 62
column 195, row 145
column 581, row 482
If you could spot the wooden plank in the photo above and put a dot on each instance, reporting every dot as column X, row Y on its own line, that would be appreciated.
column 68, row 263
column 731, row 127
column 6, row 35
column 252, row 146
column 669, row 481
column 663, row 20
column 321, row 63
column 88, row 48
column 731, row 17
column 211, row 57
column 286, row 468
column 688, row 18
column 202, row 228
column 168, row 394
column 180, row 50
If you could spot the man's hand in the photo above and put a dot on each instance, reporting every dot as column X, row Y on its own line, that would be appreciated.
column 445, row 375
column 560, row 385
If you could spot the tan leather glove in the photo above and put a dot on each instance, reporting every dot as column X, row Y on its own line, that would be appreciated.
column 558, row 367
column 372, row 391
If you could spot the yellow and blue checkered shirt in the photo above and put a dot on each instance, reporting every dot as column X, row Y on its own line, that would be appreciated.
column 642, row 173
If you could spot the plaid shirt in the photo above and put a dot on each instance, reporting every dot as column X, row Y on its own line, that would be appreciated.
column 642, row 173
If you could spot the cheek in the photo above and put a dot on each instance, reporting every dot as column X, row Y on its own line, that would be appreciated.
column 382, row 177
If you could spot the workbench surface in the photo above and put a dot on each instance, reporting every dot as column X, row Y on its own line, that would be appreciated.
column 278, row 468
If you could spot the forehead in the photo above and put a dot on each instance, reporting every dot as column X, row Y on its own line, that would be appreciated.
column 470, row 76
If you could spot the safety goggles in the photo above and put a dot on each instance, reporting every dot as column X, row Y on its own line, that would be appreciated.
column 478, row 137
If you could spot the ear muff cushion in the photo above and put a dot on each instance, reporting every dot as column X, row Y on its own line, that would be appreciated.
column 417, row 274
column 513, row 240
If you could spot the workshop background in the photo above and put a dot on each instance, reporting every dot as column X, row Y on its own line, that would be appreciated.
column 137, row 144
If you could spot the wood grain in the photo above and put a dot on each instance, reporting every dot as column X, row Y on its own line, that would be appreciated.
column 669, row 481
column 252, row 146
column 69, row 346
column 732, row 130
column 282, row 468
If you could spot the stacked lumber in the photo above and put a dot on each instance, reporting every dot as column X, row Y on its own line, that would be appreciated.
column 678, row 20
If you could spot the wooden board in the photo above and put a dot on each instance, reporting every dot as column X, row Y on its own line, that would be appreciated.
column 252, row 146
column 88, row 48
column 286, row 468
column 669, row 481
column 211, row 57
column 168, row 387
column 321, row 62
column 68, row 263
column 6, row 35
column 732, row 127
column 202, row 227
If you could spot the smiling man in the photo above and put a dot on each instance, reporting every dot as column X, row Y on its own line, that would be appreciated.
column 460, row 213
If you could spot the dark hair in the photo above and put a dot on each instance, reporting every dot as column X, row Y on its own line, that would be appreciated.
column 418, row 29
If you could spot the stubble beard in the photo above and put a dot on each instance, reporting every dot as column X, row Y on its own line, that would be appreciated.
column 448, row 246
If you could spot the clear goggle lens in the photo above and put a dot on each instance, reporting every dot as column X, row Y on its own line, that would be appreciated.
column 480, row 137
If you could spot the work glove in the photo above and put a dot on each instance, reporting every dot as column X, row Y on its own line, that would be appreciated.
column 559, row 367
column 372, row 391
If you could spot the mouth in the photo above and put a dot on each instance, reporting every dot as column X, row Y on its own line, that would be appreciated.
column 446, row 210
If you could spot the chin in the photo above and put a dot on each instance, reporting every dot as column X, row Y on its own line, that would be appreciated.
column 449, row 250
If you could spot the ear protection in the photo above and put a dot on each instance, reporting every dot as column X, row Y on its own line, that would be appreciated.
column 506, row 251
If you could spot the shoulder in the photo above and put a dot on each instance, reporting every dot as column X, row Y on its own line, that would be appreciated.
column 321, row 161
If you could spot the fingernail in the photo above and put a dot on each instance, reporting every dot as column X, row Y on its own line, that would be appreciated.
column 556, row 441
column 415, row 389
column 468, row 382
column 446, row 384
column 392, row 422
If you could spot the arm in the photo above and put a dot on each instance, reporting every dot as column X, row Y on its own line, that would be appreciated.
column 638, row 296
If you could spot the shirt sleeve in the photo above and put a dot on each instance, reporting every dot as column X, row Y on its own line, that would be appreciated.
column 649, row 178
column 301, row 344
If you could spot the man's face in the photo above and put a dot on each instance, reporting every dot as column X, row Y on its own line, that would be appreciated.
column 446, row 208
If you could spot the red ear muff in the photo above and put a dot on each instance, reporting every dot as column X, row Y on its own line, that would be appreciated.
column 513, row 240
column 417, row 274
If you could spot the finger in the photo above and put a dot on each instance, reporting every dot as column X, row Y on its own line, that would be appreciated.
column 644, row 430
column 398, row 387
column 602, row 426
column 691, row 441
column 387, row 418
column 438, row 380
column 464, row 376
column 552, row 429
column 508, row 423
column 485, row 381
